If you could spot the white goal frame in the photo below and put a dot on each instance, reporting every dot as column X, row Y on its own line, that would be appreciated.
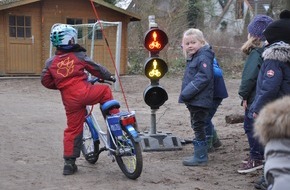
column 97, row 26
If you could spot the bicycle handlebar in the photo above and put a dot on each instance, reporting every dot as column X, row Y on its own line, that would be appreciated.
column 99, row 80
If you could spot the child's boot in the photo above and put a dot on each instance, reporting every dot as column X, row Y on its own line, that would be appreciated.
column 199, row 157
column 209, row 140
column 69, row 166
column 216, row 143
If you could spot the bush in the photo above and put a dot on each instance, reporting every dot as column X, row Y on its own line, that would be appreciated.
column 136, row 60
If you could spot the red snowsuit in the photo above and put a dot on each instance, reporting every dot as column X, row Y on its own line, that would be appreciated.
column 66, row 72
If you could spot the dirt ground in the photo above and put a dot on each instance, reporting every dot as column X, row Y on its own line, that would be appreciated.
column 32, row 123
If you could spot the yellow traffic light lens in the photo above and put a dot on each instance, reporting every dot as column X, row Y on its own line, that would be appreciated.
column 155, row 68
column 154, row 71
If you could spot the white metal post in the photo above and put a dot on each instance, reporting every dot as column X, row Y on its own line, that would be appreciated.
column 118, row 55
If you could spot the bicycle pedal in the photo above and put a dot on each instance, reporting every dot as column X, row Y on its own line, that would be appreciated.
column 91, row 156
column 111, row 155
column 113, row 159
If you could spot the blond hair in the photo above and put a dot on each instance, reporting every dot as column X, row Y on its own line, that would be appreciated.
column 196, row 33
column 250, row 44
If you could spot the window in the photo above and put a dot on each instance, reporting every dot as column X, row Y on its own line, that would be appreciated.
column 239, row 9
column 74, row 21
column 98, row 32
column 20, row 26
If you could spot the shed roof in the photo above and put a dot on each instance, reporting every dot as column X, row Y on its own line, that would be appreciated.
column 6, row 4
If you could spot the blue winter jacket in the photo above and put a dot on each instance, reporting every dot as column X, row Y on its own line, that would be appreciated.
column 197, row 84
column 274, row 76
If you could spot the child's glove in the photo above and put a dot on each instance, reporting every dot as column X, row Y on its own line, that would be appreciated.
column 112, row 78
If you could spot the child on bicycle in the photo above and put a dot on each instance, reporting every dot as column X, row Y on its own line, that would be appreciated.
column 197, row 90
column 65, row 71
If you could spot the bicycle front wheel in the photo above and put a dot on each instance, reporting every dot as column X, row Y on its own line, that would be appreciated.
column 90, row 148
column 129, row 157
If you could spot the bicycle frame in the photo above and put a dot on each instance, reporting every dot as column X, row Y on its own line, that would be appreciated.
column 109, row 137
column 96, row 131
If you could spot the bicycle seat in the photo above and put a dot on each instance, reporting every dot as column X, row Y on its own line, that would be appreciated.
column 109, row 105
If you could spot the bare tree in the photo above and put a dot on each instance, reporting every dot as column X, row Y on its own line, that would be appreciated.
column 287, row 3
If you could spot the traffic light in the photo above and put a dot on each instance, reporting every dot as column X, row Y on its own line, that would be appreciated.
column 155, row 68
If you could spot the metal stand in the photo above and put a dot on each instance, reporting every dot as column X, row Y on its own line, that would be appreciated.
column 158, row 141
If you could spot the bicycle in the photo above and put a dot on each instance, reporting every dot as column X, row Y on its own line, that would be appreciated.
column 121, row 138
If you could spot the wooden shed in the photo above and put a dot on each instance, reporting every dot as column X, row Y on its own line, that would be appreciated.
column 25, row 27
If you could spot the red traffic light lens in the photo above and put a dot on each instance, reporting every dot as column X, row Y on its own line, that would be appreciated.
column 155, row 40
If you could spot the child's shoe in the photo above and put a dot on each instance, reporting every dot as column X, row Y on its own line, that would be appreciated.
column 216, row 143
column 69, row 167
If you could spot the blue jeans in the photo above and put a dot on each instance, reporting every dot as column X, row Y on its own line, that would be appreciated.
column 197, row 119
column 209, row 125
column 256, row 149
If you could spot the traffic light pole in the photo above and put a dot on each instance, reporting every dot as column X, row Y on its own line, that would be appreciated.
column 154, row 94
column 153, row 121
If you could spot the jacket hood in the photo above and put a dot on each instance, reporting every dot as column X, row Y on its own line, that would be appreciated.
column 273, row 121
column 206, row 50
column 278, row 51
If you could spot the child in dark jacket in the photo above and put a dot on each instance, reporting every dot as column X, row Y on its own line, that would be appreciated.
column 65, row 71
column 197, row 90
column 274, row 76
column 254, row 48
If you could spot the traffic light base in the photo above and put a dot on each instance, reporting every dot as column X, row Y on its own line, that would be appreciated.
column 160, row 142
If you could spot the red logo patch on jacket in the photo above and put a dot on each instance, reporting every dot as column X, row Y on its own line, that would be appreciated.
column 270, row 73
column 204, row 65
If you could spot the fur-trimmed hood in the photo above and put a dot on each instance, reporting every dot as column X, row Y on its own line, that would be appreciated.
column 273, row 121
column 278, row 51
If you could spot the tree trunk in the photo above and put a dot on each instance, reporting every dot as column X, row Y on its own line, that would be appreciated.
column 287, row 4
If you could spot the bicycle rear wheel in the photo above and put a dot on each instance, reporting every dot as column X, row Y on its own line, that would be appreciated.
column 129, row 157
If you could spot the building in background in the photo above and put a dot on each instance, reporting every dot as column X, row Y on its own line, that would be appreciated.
column 25, row 27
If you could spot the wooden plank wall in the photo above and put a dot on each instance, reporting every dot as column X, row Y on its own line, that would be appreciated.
column 2, row 44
